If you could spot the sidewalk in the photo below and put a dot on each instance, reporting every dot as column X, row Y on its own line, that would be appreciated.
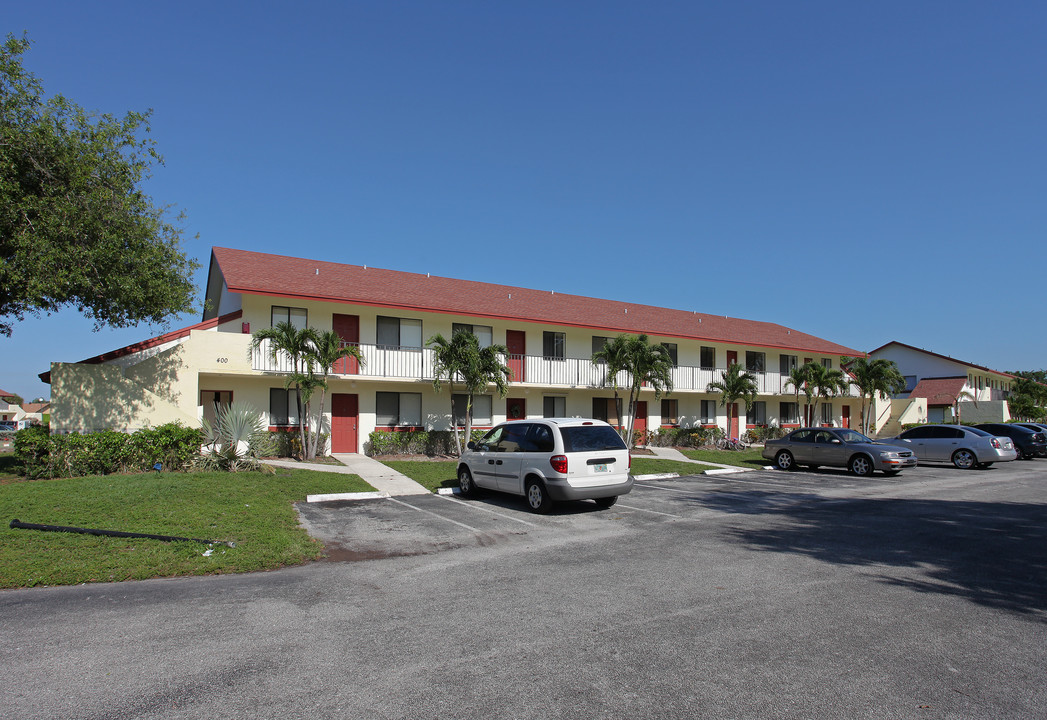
column 674, row 454
column 381, row 478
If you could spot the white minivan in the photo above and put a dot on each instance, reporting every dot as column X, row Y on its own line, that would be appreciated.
column 549, row 459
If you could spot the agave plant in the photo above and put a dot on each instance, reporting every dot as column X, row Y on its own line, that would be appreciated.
column 236, row 440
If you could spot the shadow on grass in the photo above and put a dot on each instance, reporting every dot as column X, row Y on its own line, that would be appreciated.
column 993, row 554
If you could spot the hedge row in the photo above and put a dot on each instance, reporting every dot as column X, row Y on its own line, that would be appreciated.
column 415, row 442
column 101, row 453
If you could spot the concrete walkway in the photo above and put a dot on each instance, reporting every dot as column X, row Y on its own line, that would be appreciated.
column 381, row 478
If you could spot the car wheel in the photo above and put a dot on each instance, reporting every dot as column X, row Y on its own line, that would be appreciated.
column 861, row 465
column 465, row 482
column 964, row 459
column 784, row 460
column 607, row 501
column 537, row 496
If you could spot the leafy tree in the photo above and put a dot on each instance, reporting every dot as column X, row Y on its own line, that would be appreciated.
column 736, row 384
column 476, row 367
column 873, row 377
column 323, row 349
column 76, row 229
column 295, row 344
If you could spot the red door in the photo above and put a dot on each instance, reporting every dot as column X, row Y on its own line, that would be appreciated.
column 345, row 411
column 732, row 357
column 640, row 423
column 515, row 409
column 516, row 344
column 348, row 328
column 846, row 416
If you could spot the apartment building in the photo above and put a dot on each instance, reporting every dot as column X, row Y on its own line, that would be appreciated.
column 389, row 315
column 952, row 389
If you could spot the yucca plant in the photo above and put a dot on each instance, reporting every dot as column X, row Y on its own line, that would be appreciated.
column 236, row 440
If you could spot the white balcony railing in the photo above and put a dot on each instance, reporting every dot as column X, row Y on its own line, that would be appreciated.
column 382, row 361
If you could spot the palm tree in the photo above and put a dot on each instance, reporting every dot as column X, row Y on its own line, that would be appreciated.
column 647, row 364
column 737, row 383
column 476, row 367
column 874, row 377
column 826, row 383
column 799, row 377
column 323, row 350
column 450, row 360
column 614, row 355
column 286, row 338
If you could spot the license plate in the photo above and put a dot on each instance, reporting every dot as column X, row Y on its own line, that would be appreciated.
column 599, row 468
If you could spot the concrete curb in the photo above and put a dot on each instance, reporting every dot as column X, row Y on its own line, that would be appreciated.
column 346, row 496
column 448, row 491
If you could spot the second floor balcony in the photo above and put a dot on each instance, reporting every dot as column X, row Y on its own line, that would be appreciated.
column 398, row 363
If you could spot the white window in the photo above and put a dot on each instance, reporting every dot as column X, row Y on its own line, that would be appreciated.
column 296, row 316
column 399, row 333
column 827, row 363
column 483, row 409
column 553, row 345
column 283, row 407
column 758, row 413
column 398, row 409
column 708, row 412
column 554, row 406
column 827, row 414
column 484, row 333
column 788, row 413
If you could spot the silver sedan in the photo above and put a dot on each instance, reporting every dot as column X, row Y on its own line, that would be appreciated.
column 963, row 446
column 837, row 447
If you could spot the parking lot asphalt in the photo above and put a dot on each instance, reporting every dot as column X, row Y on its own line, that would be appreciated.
column 759, row 595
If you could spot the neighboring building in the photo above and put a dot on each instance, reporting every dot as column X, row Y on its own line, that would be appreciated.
column 37, row 412
column 952, row 389
column 9, row 409
column 184, row 375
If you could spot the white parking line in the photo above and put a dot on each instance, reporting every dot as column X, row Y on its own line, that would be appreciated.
column 653, row 512
column 429, row 512
column 487, row 510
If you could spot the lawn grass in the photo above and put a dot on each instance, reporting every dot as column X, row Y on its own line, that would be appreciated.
column 252, row 509
column 431, row 474
column 743, row 458
column 655, row 466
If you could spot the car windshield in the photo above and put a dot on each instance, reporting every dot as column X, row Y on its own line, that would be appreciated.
column 852, row 436
column 583, row 438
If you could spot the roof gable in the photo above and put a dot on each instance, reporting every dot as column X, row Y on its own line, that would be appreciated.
column 251, row 272
column 942, row 357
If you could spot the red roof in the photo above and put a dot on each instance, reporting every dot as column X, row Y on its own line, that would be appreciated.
column 264, row 274
column 939, row 391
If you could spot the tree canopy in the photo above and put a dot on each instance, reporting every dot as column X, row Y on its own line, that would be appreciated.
column 76, row 228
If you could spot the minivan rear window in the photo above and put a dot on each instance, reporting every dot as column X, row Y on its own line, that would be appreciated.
column 586, row 438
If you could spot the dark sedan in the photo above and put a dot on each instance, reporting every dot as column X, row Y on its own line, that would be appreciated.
column 837, row 447
column 1029, row 443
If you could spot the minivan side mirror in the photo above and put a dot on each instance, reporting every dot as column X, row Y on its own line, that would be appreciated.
column 471, row 445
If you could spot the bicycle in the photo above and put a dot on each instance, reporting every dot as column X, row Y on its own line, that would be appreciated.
column 730, row 444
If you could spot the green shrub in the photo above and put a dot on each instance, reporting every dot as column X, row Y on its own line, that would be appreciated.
column 104, row 452
column 414, row 442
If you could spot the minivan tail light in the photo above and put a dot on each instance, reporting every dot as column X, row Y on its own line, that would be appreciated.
column 559, row 463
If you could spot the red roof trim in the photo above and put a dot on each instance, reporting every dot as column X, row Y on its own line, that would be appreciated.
column 161, row 339
column 943, row 357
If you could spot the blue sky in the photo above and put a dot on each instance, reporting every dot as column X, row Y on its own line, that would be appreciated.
column 862, row 172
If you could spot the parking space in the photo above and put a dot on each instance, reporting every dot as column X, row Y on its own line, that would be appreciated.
column 427, row 524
